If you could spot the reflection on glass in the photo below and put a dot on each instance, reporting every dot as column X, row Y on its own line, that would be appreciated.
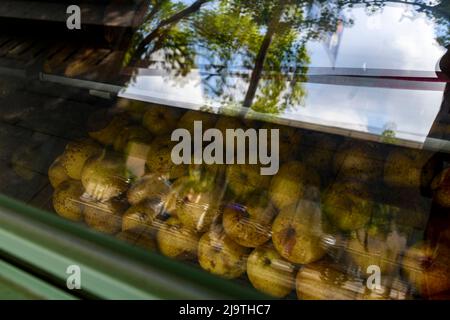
column 351, row 64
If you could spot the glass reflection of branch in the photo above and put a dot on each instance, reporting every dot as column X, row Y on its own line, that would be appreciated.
column 263, row 39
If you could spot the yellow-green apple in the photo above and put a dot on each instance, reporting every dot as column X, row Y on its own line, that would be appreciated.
column 160, row 120
column 297, row 232
column 104, row 177
column 244, row 179
column 76, row 154
column 249, row 225
column 66, row 200
column 348, row 205
column 359, row 162
column 407, row 168
column 269, row 272
column 293, row 182
column 57, row 173
column 176, row 240
column 220, row 255
column 105, row 216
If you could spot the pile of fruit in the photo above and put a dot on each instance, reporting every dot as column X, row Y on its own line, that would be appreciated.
column 281, row 232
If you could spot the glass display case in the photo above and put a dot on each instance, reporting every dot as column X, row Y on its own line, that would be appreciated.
column 114, row 183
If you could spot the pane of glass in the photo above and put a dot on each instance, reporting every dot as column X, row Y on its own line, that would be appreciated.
column 91, row 94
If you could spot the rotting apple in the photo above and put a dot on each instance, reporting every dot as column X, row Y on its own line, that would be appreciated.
column 249, row 225
column 427, row 268
column 297, row 232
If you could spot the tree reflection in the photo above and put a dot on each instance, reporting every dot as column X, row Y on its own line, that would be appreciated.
column 253, row 51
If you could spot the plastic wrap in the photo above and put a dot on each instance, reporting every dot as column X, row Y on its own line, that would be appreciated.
column 341, row 219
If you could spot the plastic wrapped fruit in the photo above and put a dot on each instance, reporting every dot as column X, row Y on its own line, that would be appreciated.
column 244, row 179
column 297, row 232
column 288, row 143
column 198, row 202
column 105, row 216
column 76, row 154
column 427, row 267
column 293, row 182
column 249, row 225
column 376, row 248
column 160, row 120
column 66, row 200
column 407, row 168
column 138, row 237
column 358, row 162
column 322, row 281
column 270, row 273
column 159, row 160
column 347, row 205
column 441, row 188
column 57, row 173
column 220, row 255
column 131, row 133
column 104, row 177
column 141, row 215
column 176, row 240
column 391, row 287
column 105, row 128
column 149, row 186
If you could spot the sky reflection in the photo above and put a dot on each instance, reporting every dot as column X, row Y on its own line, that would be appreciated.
column 388, row 42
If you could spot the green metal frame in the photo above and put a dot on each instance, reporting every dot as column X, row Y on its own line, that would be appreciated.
column 17, row 284
column 110, row 269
